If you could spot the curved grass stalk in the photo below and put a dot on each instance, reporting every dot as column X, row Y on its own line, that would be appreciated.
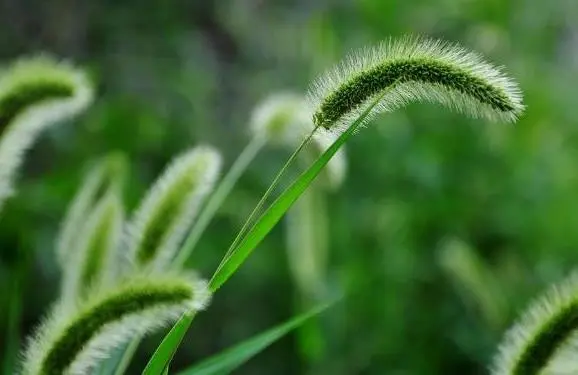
column 170, row 206
column 422, row 69
column 532, row 346
column 34, row 94
column 72, row 342
column 108, row 173
column 264, row 198
column 336, row 170
column 93, row 263
column 233, row 357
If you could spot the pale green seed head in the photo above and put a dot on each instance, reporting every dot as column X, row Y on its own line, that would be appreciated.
column 282, row 118
column 35, row 93
column 170, row 207
column 73, row 340
column 105, row 175
column 544, row 339
column 95, row 257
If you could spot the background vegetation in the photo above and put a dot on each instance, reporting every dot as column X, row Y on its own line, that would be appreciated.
column 422, row 182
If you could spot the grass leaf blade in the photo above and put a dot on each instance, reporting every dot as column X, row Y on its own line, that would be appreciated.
column 231, row 358
column 274, row 213
column 165, row 351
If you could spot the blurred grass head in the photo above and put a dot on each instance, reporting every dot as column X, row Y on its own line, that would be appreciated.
column 170, row 207
column 545, row 338
column 94, row 261
column 282, row 118
column 35, row 92
column 105, row 176
column 74, row 341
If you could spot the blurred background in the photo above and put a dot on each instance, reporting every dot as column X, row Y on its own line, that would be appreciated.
column 444, row 227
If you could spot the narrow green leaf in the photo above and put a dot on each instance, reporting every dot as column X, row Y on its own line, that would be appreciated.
column 276, row 211
column 235, row 356
column 165, row 351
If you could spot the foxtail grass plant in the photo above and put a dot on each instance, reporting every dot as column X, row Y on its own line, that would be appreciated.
column 368, row 82
column 153, row 289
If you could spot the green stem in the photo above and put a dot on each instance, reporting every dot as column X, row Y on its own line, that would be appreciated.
column 218, row 197
column 260, row 204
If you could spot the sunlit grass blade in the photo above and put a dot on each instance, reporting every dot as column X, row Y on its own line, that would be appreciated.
column 165, row 351
column 237, row 355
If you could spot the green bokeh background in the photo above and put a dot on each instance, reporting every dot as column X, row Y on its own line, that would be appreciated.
column 172, row 74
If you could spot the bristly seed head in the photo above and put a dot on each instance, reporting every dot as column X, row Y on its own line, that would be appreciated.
column 105, row 175
column 171, row 205
column 73, row 341
column 537, row 343
column 93, row 261
column 412, row 69
column 282, row 118
column 35, row 93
